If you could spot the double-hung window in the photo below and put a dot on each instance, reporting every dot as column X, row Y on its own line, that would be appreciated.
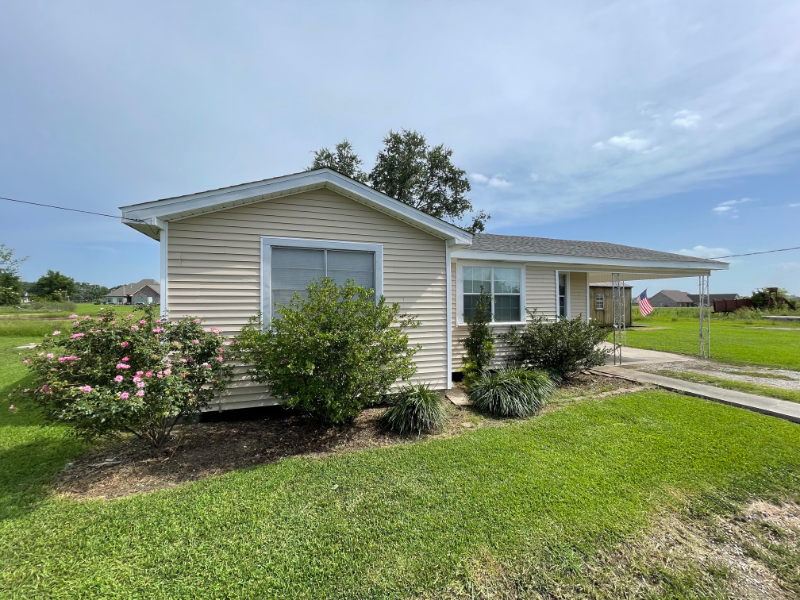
column 599, row 301
column 505, row 286
column 563, row 284
column 290, row 264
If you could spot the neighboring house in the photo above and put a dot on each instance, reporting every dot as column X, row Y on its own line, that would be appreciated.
column 671, row 298
column 146, row 291
column 229, row 253
column 600, row 303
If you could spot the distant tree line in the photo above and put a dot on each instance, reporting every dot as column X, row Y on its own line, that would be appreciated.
column 52, row 286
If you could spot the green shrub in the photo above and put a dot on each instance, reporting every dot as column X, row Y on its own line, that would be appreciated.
column 331, row 354
column 110, row 374
column 416, row 409
column 479, row 344
column 510, row 392
column 563, row 347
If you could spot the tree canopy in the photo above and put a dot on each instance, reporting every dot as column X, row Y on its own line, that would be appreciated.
column 54, row 285
column 411, row 171
column 10, row 282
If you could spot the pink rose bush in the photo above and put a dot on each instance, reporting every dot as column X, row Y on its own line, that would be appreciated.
column 104, row 378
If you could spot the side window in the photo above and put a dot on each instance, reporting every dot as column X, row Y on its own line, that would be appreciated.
column 599, row 301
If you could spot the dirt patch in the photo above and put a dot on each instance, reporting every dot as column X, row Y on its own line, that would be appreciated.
column 780, row 378
column 750, row 555
column 212, row 448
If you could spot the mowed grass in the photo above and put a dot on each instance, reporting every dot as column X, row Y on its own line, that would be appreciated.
column 392, row 523
column 732, row 341
column 740, row 386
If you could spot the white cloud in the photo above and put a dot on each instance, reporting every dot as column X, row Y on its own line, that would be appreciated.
column 496, row 182
column 535, row 177
column 685, row 119
column 499, row 182
column 795, row 205
column 478, row 178
column 729, row 207
column 626, row 141
column 704, row 252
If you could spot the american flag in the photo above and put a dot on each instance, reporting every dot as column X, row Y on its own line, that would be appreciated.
column 644, row 304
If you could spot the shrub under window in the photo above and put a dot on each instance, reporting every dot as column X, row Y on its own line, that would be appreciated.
column 332, row 353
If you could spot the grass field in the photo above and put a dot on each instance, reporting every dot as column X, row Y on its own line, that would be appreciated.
column 742, row 342
column 534, row 502
column 525, row 499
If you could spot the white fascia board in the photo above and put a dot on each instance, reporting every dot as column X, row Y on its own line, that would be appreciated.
column 173, row 209
column 604, row 264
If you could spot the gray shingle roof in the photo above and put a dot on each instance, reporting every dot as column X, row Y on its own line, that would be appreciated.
column 130, row 288
column 535, row 245
column 676, row 295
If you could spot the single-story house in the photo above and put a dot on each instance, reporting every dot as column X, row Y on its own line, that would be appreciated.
column 671, row 298
column 146, row 291
column 600, row 299
column 227, row 254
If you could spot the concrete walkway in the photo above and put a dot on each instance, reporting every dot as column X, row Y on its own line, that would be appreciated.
column 767, row 406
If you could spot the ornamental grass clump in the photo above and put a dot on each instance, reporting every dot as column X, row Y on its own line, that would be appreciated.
column 416, row 409
column 510, row 392
column 139, row 374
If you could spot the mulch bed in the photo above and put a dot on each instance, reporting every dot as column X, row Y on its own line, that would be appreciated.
column 212, row 448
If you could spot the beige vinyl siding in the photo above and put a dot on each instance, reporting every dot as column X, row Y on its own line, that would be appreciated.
column 540, row 295
column 577, row 295
column 214, row 264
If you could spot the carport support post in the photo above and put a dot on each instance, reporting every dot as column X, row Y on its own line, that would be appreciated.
column 704, row 302
column 618, row 312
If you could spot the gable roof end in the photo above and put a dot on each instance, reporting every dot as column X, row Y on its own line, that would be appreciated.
column 150, row 217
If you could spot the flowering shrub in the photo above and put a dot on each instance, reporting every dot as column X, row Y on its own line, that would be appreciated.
column 137, row 374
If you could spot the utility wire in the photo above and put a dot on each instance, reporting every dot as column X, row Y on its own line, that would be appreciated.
column 86, row 212
column 754, row 253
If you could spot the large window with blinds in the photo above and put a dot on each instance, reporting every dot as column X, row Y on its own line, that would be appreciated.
column 290, row 264
column 504, row 284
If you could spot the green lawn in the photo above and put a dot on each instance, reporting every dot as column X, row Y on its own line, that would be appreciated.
column 540, row 495
column 741, row 386
column 742, row 342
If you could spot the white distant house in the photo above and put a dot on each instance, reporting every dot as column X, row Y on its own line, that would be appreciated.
column 146, row 291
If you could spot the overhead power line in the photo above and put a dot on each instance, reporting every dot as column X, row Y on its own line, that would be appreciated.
column 754, row 253
column 89, row 212
column 86, row 212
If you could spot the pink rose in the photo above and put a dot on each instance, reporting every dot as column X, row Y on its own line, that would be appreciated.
column 167, row 371
column 25, row 362
column 86, row 317
column 124, row 344
column 159, row 375
column 124, row 395
column 140, row 393
column 140, row 384
column 125, row 359
column 50, row 355
column 56, row 332
column 205, row 365
column 137, row 378
column 195, row 342
column 219, row 359
column 134, row 328
column 158, row 320
column 139, row 373
column 197, row 320
column 142, row 322
column 183, row 360
column 118, row 378
column 11, row 407
column 72, row 317
column 75, row 336
column 148, row 374
column 100, row 319
column 86, row 388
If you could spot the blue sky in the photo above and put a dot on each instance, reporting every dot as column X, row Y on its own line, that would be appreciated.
column 670, row 125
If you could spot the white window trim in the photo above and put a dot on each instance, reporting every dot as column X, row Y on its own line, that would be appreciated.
column 493, row 265
column 267, row 242
column 598, row 296
column 567, row 296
